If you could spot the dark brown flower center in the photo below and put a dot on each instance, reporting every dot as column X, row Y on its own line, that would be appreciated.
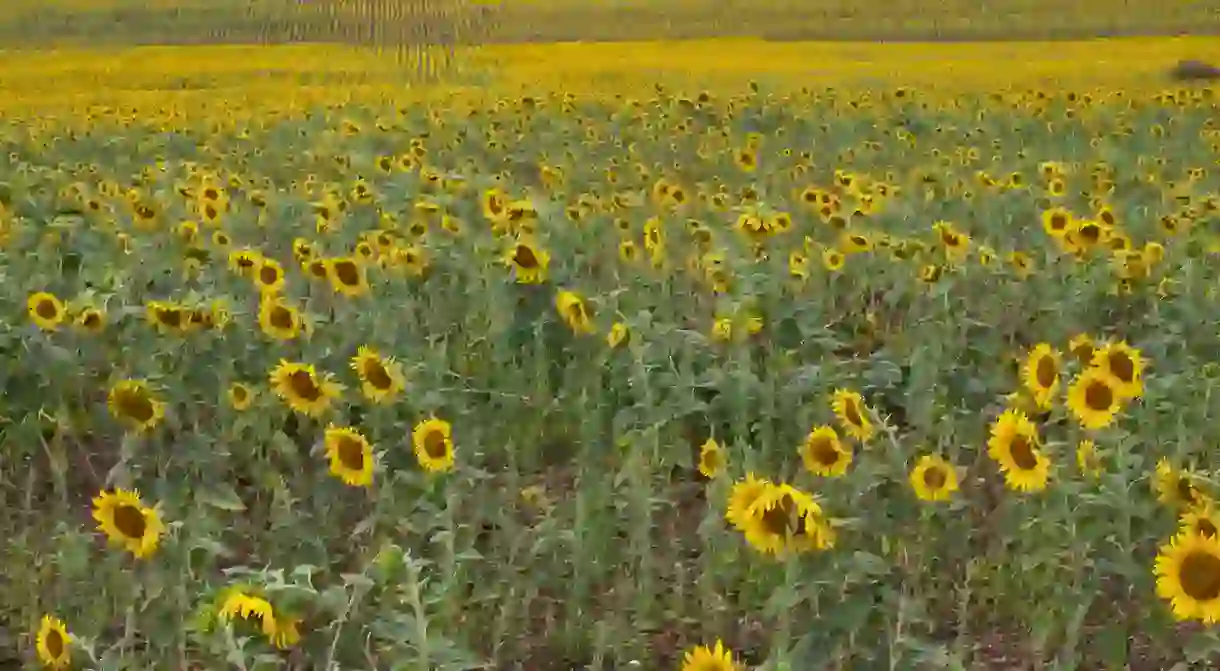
column 1045, row 372
column 935, row 477
column 376, row 375
column 525, row 257
column 435, row 445
column 1098, row 396
column 46, row 309
column 129, row 520
column 1022, row 451
column 824, row 450
column 1121, row 366
column 351, row 453
column 851, row 412
column 268, row 275
column 347, row 273
column 282, row 318
column 55, row 644
column 135, row 405
column 304, row 386
column 1200, row 575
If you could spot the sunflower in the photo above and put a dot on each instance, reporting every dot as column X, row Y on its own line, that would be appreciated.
column 528, row 261
column 1178, row 488
column 1202, row 519
column 433, row 442
column 1082, row 347
column 346, row 276
column 91, row 320
column 1041, row 374
column 933, row 478
column 1187, row 573
column 53, row 643
column 269, row 276
column 849, row 407
column 575, row 311
column 1125, row 367
column 127, row 522
column 169, row 317
column 305, row 391
column 381, row 378
column 134, row 405
column 824, row 454
column 278, row 319
column 1093, row 399
column 715, row 658
column 245, row 261
column 784, row 519
column 619, row 334
column 1087, row 459
column 1014, row 446
column 237, row 604
column 741, row 500
column 46, row 310
column 240, row 396
column 350, row 454
column 1057, row 221
column 833, row 260
column 711, row 458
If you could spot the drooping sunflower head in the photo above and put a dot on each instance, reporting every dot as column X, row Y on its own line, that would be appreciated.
column 933, row 478
column 711, row 458
column 784, row 519
column 1094, row 399
column 433, row 443
column 823, row 453
column 619, row 334
column 45, row 310
column 53, row 643
column 238, row 603
column 127, row 522
column 713, row 658
column 381, row 378
column 528, row 261
column 849, row 408
column 303, row 388
column 133, row 404
column 1188, row 577
column 575, row 311
column 350, row 454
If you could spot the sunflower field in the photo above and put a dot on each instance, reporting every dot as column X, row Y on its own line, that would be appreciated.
column 704, row 356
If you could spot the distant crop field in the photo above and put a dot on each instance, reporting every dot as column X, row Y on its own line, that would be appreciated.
column 398, row 21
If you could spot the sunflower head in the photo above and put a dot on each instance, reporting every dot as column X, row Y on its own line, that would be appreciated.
column 823, row 453
column 1014, row 445
column 433, row 443
column 240, row 396
column 53, row 643
column 784, row 519
column 346, row 276
column 711, row 458
column 1187, row 572
column 744, row 494
column 1040, row 374
column 1124, row 365
column 1094, row 399
column 933, row 478
column 134, row 405
column 575, row 311
column 304, row 389
column 127, row 522
column 849, row 408
column 709, row 658
column 45, row 310
column 350, row 454
column 381, row 378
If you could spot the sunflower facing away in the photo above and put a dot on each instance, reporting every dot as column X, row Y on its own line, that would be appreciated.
column 1188, row 577
column 433, row 443
column 714, row 658
column 381, row 378
column 575, row 311
column 133, row 404
column 1087, row 458
column 350, row 454
column 1014, row 446
column 1093, row 399
column 237, row 604
column 127, row 522
column 53, row 643
column 619, row 333
column 46, row 310
column 784, row 519
column 303, row 388
column 824, row 454
column 849, row 407
column 1040, row 374
column 933, row 478
column 711, row 458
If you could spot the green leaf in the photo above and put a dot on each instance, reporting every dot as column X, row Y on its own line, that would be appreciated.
column 221, row 496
